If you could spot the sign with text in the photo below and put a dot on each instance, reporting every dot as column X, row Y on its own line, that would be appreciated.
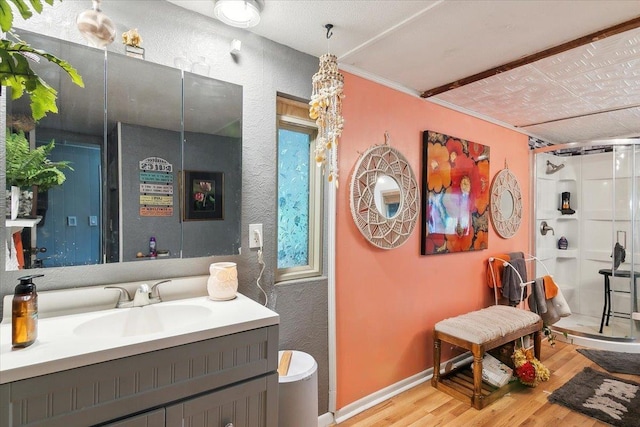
column 156, row 211
column 155, row 177
column 156, row 188
column 156, row 164
column 156, row 200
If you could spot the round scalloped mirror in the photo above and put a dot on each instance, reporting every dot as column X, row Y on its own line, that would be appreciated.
column 385, row 201
column 506, row 204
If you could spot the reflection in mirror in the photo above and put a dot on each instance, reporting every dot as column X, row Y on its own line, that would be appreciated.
column 506, row 204
column 144, row 108
column 213, row 144
column 125, row 186
column 69, row 232
column 387, row 196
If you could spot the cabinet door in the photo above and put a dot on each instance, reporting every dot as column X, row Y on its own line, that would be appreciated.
column 148, row 419
column 252, row 403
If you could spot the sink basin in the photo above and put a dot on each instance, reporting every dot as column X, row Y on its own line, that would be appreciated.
column 149, row 319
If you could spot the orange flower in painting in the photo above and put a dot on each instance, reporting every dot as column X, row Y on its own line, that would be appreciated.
column 483, row 184
column 456, row 149
column 482, row 241
column 438, row 167
column 463, row 169
column 460, row 243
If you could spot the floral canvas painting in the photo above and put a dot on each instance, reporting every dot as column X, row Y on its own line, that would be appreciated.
column 202, row 195
column 455, row 188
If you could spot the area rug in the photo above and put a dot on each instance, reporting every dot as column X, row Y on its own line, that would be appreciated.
column 601, row 396
column 613, row 361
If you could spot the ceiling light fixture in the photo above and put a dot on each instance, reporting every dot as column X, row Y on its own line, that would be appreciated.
column 96, row 27
column 238, row 13
column 326, row 109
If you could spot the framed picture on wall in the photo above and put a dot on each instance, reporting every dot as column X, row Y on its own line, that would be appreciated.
column 202, row 195
column 455, row 195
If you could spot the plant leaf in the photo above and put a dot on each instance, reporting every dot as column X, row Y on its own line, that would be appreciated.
column 16, row 73
column 37, row 5
column 26, row 167
column 6, row 13
column 6, row 16
column 24, row 10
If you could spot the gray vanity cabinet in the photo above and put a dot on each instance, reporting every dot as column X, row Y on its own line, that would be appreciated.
column 242, row 405
column 148, row 419
column 229, row 380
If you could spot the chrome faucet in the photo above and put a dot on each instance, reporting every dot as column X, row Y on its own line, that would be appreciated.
column 144, row 295
column 156, row 291
column 141, row 297
column 544, row 228
column 125, row 297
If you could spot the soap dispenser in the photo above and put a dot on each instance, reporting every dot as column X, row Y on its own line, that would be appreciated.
column 24, row 313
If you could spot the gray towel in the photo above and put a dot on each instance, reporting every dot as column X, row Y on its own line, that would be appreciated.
column 537, row 302
column 510, row 281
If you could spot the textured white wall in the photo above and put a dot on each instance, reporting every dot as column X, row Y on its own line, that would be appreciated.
column 264, row 68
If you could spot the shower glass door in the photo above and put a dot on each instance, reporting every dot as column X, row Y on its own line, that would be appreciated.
column 588, row 195
column 624, row 292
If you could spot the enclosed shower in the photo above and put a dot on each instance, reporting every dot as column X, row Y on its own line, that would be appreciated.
column 586, row 218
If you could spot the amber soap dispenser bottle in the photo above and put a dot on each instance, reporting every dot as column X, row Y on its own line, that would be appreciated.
column 24, row 313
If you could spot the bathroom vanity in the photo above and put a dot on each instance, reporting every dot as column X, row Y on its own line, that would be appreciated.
column 192, row 361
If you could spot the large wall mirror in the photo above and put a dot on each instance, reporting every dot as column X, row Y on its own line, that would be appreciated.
column 385, row 201
column 130, row 135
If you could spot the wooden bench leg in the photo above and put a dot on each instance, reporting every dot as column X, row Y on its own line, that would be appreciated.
column 478, row 354
column 537, row 344
column 436, row 362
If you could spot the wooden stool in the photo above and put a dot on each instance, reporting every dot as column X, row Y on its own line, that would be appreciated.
column 478, row 332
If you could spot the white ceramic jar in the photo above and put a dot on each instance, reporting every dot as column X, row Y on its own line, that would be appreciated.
column 222, row 284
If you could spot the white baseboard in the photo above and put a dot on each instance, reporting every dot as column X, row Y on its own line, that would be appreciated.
column 386, row 393
column 325, row 420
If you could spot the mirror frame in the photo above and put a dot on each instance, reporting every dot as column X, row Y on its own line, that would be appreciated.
column 380, row 231
column 505, row 182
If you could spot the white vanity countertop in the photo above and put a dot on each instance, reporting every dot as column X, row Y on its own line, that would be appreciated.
column 67, row 342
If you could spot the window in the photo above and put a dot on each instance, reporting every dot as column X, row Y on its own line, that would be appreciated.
column 299, row 194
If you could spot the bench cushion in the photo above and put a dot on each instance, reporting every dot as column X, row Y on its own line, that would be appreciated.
column 485, row 325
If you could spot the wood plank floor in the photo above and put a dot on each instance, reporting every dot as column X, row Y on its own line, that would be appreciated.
column 425, row 406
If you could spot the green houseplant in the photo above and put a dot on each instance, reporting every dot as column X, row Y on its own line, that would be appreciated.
column 27, row 168
column 15, row 71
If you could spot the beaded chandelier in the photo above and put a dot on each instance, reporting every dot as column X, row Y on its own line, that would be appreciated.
column 326, row 110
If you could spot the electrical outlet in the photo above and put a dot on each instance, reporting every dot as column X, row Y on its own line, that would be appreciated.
column 255, row 235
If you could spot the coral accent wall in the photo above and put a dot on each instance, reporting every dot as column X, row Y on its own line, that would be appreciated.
column 387, row 301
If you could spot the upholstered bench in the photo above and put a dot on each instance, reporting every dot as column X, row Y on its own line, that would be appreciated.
column 480, row 331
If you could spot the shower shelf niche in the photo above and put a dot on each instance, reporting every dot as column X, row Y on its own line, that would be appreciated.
column 567, row 253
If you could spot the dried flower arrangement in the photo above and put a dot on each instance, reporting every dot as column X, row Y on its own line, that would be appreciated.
column 529, row 370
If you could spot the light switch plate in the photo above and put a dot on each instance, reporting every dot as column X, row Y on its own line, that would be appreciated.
column 93, row 221
column 72, row 221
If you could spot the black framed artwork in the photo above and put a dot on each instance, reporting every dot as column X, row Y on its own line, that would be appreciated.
column 202, row 195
